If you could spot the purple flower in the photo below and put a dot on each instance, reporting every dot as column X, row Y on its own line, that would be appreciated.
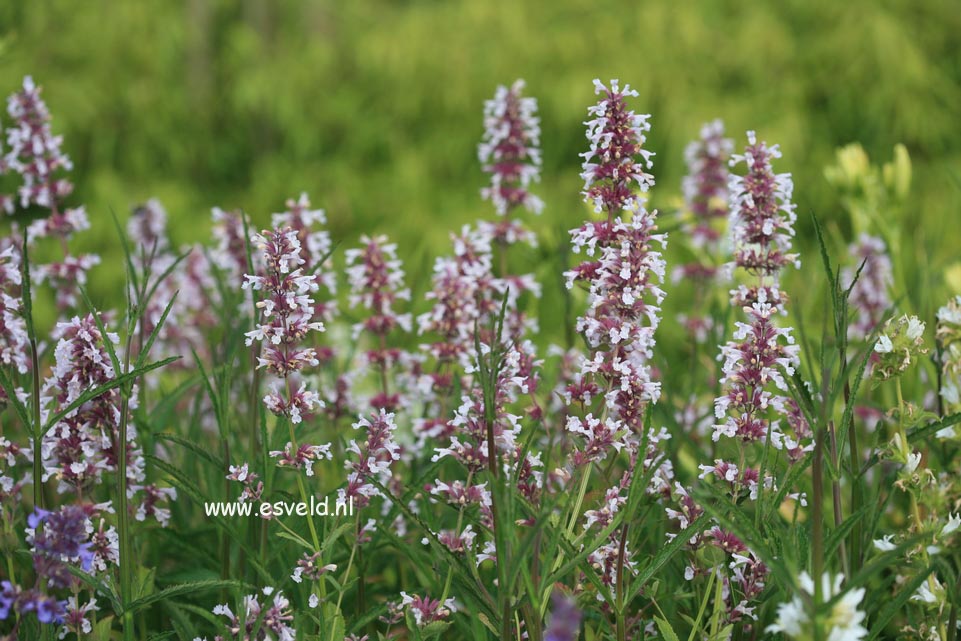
column 706, row 203
column 376, row 279
column 253, row 488
column 308, row 567
column 274, row 617
column 34, row 152
column 302, row 457
column 510, row 150
column 753, row 362
column 869, row 296
column 13, row 332
column 316, row 245
column 147, row 227
column 82, row 446
column 565, row 623
column 374, row 458
column 426, row 610
column 762, row 222
column 612, row 171
column 705, row 186
column 287, row 311
column 230, row 253
column 624, row 293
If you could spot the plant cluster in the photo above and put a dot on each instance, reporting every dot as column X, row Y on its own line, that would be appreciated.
column 796, row 484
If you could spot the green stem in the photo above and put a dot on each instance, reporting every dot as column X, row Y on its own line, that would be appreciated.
column 915, row 507
column 37, row 437
column 123, row 520
column 460, row 522
column 350, row 562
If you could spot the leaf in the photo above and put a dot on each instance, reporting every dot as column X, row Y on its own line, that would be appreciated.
column 201, row 451
column 103, row 389
column 434, row 629
column 841, row 532
column 12, row 398
column 290, row 536
column 334, row 622
column 665, row 629
column 182, row 589
column 101, row 631
column 665, row 554
column 889, row 610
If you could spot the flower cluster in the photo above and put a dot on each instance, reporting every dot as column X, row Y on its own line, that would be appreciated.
column 842, row 623
column 762, row 223
column 34, row 152
column 869, row 294
column 949, row 336
column 426, row 610
column 510, row 150
column 80, row 447
column 376, row 279
column 316, row 247
column 762, row 219
column 706, row 205
column 705, row 190
column 60, row 540
column 180, row 285
column 374, row 458
column 899, row 344
column 14, row 344
column 753, row 362
column 269, row 620
column 565, row 623
column 624, row 292
column 612, row 171
column 287, row 318
column 623, row 281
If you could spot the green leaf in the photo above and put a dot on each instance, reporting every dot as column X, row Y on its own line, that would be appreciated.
column 182, row 589
column 434, row 629
column 197, row 449
column 665, row 554
column 333, row 622
column 665, row 629
column 290, row 536
column 101, row 631
column 103, row 389
column 18, row 406
column 891, row 609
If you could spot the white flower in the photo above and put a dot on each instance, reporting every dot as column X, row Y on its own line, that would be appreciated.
column 884, row 543
column 929, row 592
column 954, row 522
column 915, row 328
column 914, row 459
column 884, row 345
column 843, row 623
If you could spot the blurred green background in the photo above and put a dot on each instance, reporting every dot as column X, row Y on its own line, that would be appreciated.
column 374, row 107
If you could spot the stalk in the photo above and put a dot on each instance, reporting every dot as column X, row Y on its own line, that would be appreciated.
column 619, row 599
column 836, row 496
column 123, row 518
column 817, row 520
column 915, row 507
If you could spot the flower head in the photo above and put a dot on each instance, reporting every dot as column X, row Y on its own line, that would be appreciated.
column 510, row 150
column 900, row 343
column 286, row 318
column 762, row 221
column 842, row 623
column 34, row 152
column 869, row 295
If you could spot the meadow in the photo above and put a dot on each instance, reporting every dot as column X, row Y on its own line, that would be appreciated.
column 662, row 341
